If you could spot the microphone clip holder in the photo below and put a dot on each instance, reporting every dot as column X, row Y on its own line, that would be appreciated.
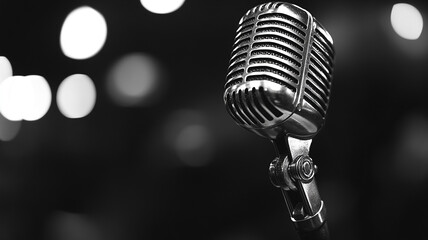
column 293, row 171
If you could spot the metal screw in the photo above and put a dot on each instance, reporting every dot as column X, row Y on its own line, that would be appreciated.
column 302, row 169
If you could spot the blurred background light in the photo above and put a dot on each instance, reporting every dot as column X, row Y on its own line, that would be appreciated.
column 411, row 152
column 83, row 33
column 189, row 136
column 72, row 226
column 5, row 72
column 76, row 96
column 8, row 129
column 193, row 145
column 41, row 97
column 24, row 98
column 135, row 79
column 162, row 6
column 14, row 95
column 406, row 21
column 5, row 68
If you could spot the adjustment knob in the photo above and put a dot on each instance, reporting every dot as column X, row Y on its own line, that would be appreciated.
column 302, row 169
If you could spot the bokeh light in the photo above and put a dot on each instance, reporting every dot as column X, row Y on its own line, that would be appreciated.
column 189, row 136
column 5, row 68
column 83, row 33
column 13, row 97
column 162, row 6
column 8, row 129
column 406, row 21
column 24, row 97
column 72, row 226
column 411, row 153
column 134, row 79
column 193, row 145
column 76, row 96
column 41, row 98
column 5, row 71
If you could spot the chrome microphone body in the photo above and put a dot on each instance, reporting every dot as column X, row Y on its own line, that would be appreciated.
column 278, row 86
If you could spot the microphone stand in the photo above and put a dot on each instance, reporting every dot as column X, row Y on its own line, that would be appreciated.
column 293, row 172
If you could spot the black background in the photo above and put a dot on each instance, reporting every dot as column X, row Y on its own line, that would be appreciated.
column 113, row 175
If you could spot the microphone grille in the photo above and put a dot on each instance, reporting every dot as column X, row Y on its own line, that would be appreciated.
column 268, row 42
column 318, row 79
column 282, row 61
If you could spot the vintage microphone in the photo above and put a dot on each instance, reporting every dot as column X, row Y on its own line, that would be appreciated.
column 278, row 86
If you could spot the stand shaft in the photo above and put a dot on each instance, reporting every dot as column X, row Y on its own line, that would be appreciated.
column 293, row 172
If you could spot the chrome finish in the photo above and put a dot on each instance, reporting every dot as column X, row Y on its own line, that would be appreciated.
column 302, row 169
column 278, row 173
column 310, row 223
column 303, row 201
column 278, row 86
column 280, row 71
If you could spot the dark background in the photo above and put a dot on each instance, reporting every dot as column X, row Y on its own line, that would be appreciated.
column 116, row 175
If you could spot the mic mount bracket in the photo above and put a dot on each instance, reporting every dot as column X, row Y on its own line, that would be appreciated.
column 293, row 172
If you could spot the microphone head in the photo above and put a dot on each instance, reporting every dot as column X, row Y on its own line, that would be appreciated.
column 280, row 72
